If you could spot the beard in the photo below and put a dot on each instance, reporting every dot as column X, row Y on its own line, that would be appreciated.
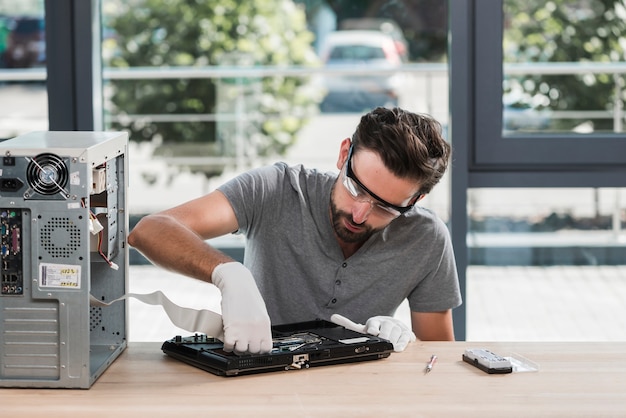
column 338, row 218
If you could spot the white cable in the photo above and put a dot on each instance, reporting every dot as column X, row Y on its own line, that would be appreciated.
column 192, row 320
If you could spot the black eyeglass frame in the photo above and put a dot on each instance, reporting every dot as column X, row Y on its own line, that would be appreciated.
column 350, row 174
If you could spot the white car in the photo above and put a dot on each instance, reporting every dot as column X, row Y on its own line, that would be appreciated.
column 367, row 60
column 386, row 26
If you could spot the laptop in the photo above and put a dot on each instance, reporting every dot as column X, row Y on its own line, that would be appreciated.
column 295, row 346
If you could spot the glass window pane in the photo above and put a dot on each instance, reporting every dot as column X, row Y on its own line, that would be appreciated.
column 23, row 96
column 563, row 67
column 546, row 264
column 546, row 303
column 212, row 89
column 207, row 92
column 547, row 226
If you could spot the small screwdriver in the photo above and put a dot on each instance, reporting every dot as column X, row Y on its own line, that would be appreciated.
column 431, row 363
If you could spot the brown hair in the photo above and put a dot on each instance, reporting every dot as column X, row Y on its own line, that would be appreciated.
column 410, row 144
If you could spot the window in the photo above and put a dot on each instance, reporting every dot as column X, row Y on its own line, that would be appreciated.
column 23, row 95
column 558, row 91
column 209, row 92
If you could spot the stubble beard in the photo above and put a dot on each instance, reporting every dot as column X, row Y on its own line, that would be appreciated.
column 338, row 219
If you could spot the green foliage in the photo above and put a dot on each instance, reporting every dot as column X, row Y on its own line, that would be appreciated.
column 201, row 33
column 566, row 31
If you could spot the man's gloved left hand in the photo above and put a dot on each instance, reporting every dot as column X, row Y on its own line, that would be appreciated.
column 386, row 327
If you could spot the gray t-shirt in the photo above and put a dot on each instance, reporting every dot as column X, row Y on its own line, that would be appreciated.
column 300, row 269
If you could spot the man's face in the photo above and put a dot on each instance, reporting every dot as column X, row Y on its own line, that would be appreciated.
column 366, row 196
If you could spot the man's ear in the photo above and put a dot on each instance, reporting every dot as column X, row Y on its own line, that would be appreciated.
column 417, row 198
column 344, row 148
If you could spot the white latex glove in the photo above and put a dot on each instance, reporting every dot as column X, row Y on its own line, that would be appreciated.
column 245, row 317
column 386, row 327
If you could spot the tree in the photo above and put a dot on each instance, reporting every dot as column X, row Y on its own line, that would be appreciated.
column 566, row 31
column 169, row 33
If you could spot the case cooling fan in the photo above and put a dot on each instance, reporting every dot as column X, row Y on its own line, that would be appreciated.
column 47, row 175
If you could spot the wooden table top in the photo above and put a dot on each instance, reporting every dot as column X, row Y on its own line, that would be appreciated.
column 574, row 379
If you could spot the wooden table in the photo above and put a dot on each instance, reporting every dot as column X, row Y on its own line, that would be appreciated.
column 574, row 379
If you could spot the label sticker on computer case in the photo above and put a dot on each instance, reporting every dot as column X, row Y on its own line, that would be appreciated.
column 60, row 276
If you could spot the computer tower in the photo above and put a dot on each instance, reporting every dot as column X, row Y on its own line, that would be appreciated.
column 64, row 226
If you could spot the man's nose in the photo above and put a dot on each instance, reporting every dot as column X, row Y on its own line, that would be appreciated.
column 361, row 210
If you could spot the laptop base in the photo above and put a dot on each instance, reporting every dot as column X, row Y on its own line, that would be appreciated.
column 296, row 346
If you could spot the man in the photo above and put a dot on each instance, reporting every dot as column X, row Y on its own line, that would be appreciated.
column 319, row 244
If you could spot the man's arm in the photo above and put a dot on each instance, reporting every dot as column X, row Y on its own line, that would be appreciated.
column 433, row 326
column 175, row 238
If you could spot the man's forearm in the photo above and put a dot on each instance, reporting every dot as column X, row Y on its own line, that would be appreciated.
column 172, row 246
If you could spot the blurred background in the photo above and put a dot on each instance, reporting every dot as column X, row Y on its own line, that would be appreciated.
column 208, row 89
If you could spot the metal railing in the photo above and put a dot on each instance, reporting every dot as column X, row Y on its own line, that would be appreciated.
column 616, row 69
column 240, row 74
column 427, row 70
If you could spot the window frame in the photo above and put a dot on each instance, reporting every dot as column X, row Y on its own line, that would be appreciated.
column 541, row 159
column 74, row 65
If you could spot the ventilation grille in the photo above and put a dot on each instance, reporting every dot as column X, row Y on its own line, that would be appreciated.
column 47, row 175
column 95, row 317
column 247, row 363
column 60, row 237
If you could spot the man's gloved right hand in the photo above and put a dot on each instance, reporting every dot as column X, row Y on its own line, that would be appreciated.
column 246, row 321
column 385, row 327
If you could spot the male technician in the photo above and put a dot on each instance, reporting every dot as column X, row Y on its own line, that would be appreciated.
column 354, row 243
